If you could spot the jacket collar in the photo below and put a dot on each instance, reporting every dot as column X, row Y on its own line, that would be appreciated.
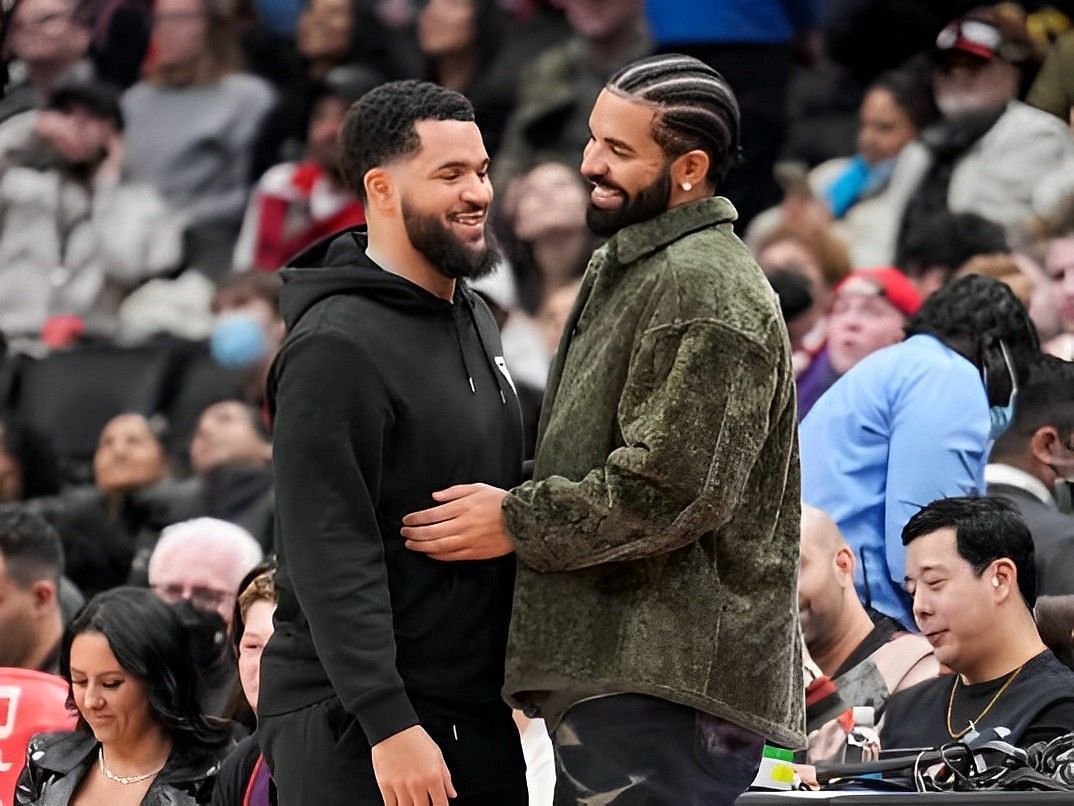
column 640, row 240
column 997, row 473
column 67, row 752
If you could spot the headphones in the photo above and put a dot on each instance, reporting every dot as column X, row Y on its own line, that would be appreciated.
column 995, row 582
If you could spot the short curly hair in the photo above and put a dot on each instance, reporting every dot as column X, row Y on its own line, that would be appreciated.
column 379, row 127
column 974, row 310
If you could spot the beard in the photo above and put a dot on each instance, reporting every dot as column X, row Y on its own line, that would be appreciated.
column 647, row 204
column 445, row 251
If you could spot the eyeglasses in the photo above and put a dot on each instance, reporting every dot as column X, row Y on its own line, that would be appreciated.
column 203, row 598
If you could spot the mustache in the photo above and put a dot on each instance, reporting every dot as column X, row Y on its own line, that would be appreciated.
column 470, row 207
column 607, row 185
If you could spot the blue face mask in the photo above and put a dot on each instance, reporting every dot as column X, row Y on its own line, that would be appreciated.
column 1001, row 417
column 238, row 341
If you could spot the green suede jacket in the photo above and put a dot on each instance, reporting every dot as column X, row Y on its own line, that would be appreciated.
column 658, row 541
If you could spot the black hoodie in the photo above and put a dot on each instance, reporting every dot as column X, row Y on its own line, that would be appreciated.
column 382, row 394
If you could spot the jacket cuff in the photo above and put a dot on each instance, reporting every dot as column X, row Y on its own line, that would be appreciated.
column 529, row 547
column 386, row 716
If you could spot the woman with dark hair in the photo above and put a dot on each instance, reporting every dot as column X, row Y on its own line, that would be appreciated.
column 111, row 524
column 460, row 40
column 141, row 737
column 894, row 110
column 853, row 192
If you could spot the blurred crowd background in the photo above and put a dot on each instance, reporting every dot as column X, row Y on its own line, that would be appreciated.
column 161, row 160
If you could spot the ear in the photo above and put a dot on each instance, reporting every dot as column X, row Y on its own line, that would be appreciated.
column 1002, row 580
column 379, row 189
column 45, row 595
column 1042, row 444
column 844, row 566
column 690, row 169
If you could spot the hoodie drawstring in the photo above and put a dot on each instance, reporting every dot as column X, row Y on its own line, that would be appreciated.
column 462, row 352
column 484, row 349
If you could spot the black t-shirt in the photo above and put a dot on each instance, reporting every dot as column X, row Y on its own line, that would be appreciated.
column 883, row 631
column 1038, row 705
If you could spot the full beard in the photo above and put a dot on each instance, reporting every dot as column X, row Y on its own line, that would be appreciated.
column 445, row 251
column 648, row 204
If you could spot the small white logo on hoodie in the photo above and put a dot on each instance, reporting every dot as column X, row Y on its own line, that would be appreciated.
column 503, row 368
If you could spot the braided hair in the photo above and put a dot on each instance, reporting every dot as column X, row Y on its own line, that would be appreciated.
column 695, row 108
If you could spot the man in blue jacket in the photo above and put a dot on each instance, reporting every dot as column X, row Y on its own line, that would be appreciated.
column 913, row 423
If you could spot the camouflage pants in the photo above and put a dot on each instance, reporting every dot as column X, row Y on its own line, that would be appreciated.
column 633, row 750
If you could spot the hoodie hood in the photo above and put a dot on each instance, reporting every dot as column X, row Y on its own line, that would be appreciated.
column 339, row 265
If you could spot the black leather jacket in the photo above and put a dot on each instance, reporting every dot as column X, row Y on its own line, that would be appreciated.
column 57, row 762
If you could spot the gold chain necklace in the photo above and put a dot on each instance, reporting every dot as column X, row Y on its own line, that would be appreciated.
column 980, row 716
column 126, row 780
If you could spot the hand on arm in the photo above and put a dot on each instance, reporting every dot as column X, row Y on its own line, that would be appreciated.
column 694, row 418
column 468, row 525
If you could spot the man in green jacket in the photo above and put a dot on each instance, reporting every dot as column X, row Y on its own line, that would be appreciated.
column 655, row 621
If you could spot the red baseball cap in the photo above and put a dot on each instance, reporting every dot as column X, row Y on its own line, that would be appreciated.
column 986, row 35
column 886, row 282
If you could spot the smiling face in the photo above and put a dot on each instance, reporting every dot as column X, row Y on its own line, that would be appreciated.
column 820, row 596
column 628, row 168
column 445, row 196
column 953, row 606
column 114, row 703
column 257, row 630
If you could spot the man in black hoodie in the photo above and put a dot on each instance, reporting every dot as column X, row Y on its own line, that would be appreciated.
column 383, row 677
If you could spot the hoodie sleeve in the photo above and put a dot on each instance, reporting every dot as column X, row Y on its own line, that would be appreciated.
column 331, row 415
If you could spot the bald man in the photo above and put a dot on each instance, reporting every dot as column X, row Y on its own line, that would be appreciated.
column 866, row 662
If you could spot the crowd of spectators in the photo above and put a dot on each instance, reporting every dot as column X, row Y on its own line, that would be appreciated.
column 906, row 184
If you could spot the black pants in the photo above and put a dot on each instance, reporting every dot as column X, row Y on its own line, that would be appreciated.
column 632, row 750
column 319, row 755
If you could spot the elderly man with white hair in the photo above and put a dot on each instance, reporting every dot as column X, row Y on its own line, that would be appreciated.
column 203, row 560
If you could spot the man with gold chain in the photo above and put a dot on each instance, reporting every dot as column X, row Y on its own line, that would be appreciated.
column 970, row 572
